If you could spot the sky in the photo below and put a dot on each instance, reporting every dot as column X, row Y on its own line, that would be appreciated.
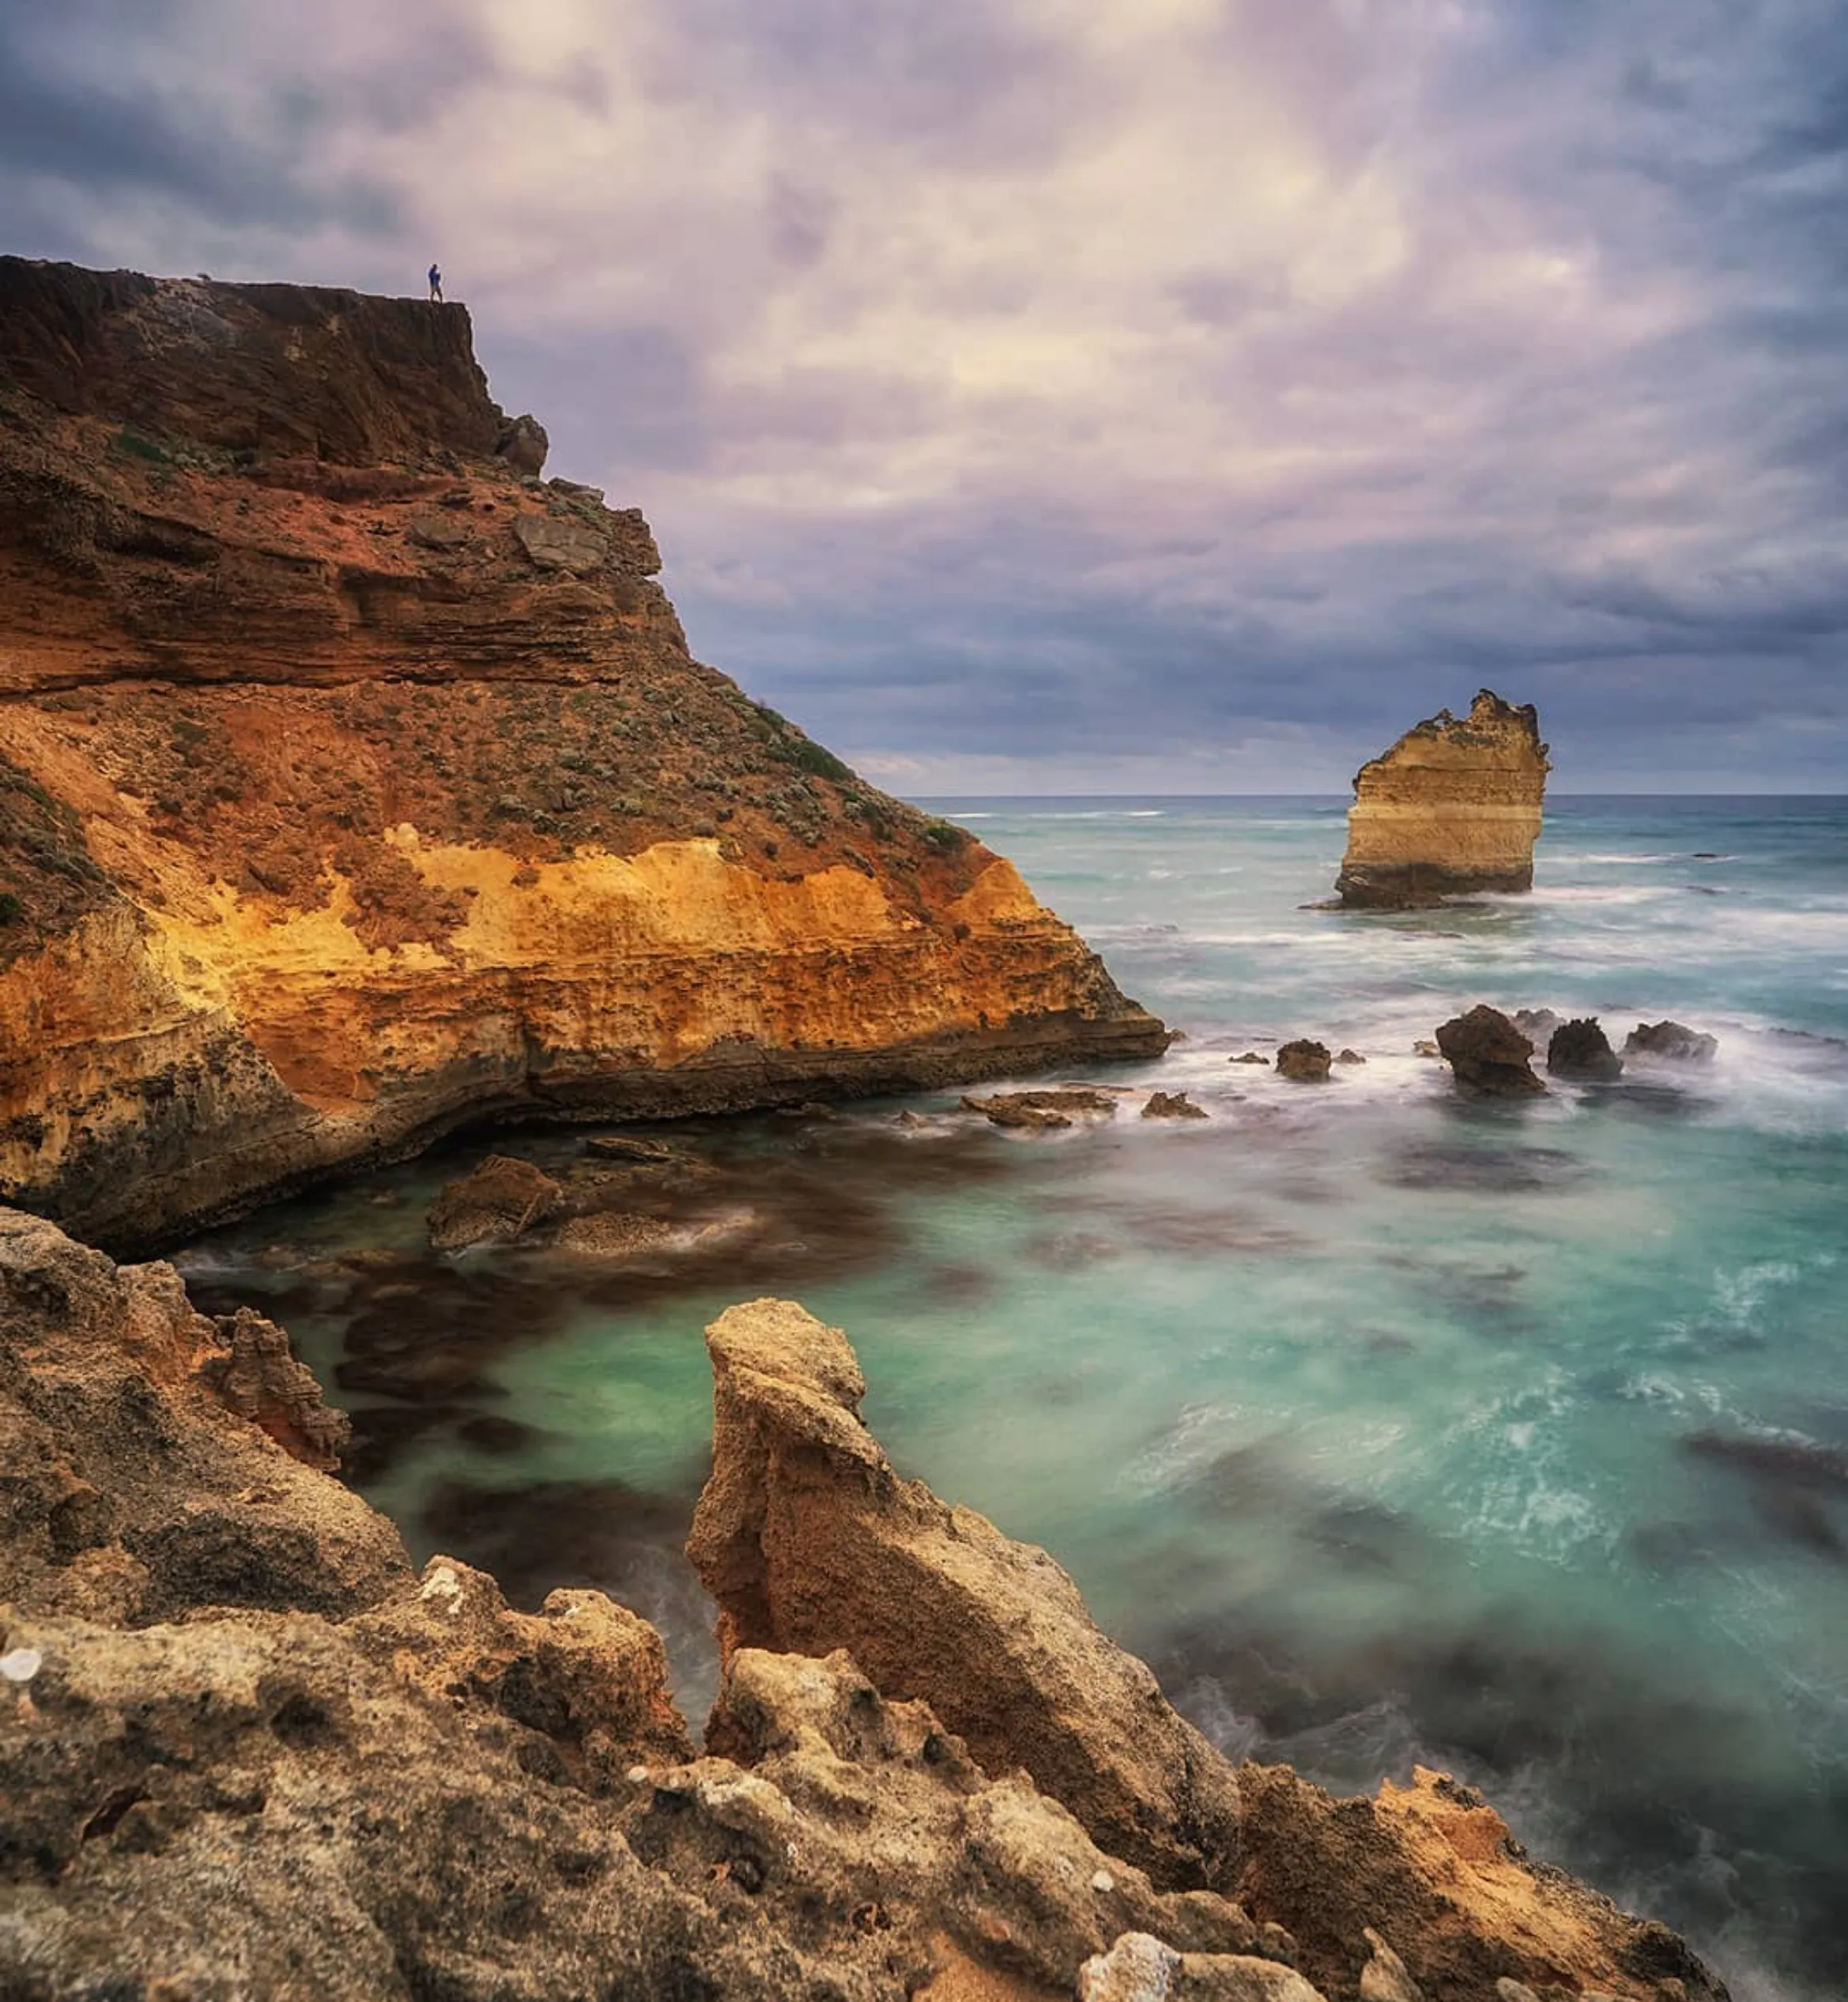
column 1091, row 395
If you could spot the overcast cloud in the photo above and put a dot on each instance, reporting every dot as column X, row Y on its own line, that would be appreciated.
column 1091, row 395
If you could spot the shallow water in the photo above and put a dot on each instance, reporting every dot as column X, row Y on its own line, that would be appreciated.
column 1513, row 1439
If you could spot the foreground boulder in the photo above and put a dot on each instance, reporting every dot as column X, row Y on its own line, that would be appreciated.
column 1580, row 1048
column 1172, row 1105
column 1488, row 1055
column 1672, row 1041
column 354, row 787
column 1453, row 807
column 809, row 1541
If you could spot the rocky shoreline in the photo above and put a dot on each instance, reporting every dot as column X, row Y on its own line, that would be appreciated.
column 245, row 1749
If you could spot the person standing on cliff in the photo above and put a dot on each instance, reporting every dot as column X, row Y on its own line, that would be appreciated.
column 435, row 286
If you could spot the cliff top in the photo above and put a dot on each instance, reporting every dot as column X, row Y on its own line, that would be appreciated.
column 293, row 371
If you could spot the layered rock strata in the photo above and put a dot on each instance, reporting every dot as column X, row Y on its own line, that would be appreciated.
column 1488, row 1057
column 1453, row 807
column 245, row 1749
column 356, row 785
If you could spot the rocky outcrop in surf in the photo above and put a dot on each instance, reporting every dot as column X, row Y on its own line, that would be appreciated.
column 218, row 1668
column 1453, row 807
column 356, row 785
column 1488, row 1057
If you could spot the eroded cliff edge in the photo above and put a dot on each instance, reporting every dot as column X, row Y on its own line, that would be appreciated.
column 356, row 784
column 1453, row 807
column 246, row 1749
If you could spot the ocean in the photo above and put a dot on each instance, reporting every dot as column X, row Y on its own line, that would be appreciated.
column 1510, row 1439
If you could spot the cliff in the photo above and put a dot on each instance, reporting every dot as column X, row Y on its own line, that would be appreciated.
column 354, row 784
column 245, row 1749
column 1453, row 807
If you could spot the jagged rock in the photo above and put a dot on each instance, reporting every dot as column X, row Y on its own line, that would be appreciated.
column 1384, row 1978
column 809, row 1542
column 1249, row 1056
column 1453, row 807
column 1304, row 1062
column 1465, row 1906
column 552, row 542
column 1538, row 1025
column 1172, row 1105
column 1674, row 1041
column 1349, row 1056
column 1580, row 1048
column 138, row 1481
column 1488, row 1055
column 496, row 1203
column 1041, row 1111
column 258, row 1377
column 523, row 444
column 480, row 836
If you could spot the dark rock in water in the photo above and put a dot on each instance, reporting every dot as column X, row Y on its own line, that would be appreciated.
column 1425, row 1047
column 1304, row 1062
column 1580, row 1048
column 1488, row 1055
column 1673, row 1041
column 496, row 1204
column 1350, row 1057
column 1249, row 1056
column 1041, row 1111
column 1172, row 1105
column 625, row 1147
column 1538, row 1025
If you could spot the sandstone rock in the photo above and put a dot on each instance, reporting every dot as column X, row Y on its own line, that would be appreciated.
column 1674, row 1041
column 140, row 1482
column 1453, row 807
column 1140, row 1968
column 810, row 1542
column 1304, row 1062
column 613, row 1233
column 1580, row 1048
column 1465, row 1906
column 1250, row 1057
column 1350, row 1057
column 1425, row 1047
column 523, row 444
column 496, row 1203
column 1488, row 1055
column 626, row 1147
column 403, row 836
column 1172, row 1105
column 555, row 543
column 1384, row 1978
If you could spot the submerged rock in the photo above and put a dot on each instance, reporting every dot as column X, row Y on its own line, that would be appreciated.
column 1580, row 1048
column 496, row 1203
column 1538, row 1025
column 1249, row 1056
column 1488, row 1055
column 1673, row 1041
column 1349, row 1056
column 1172, row 1105
column 1453, row 807
column 1304, row 1062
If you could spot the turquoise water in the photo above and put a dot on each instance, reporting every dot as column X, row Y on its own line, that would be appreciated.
column 1510, row 1439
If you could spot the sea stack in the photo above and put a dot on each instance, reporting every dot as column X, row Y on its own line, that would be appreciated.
column 1453, row 807
column 357, row 784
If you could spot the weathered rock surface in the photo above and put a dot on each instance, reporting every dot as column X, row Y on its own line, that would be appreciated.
column 1580, row 1048
column 1172, row 1105
column 1304, row 1062
column 1672, row 1041
column 410, row 1790
column 1488, row 1055
column 1453, row 807
column 496, row 1203
column 1035, row 1111
column 325, row 828
column 809, row 1541
column 1433, row 1870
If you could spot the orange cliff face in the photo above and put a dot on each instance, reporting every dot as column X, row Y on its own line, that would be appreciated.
column 355, row 785
column 1453, row 807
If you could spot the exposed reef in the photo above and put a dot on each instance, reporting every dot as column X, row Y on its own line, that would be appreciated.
column 246, row 1749
column 356, row 785
column 1453, row 807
